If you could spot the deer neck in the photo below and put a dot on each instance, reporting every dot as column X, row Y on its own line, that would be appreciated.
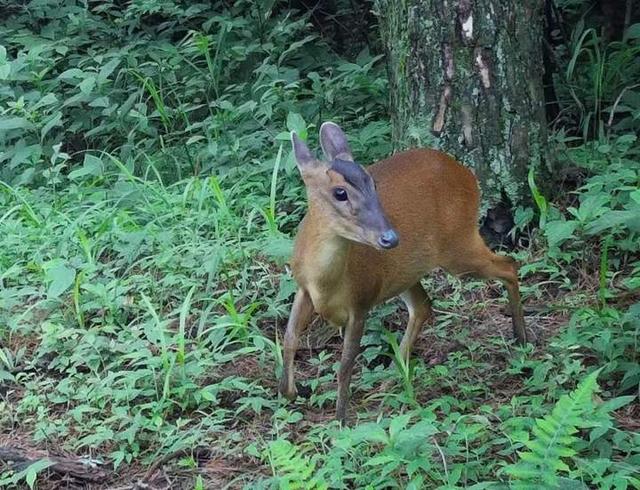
column 329, row 253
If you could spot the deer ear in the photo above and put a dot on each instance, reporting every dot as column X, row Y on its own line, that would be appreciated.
column 301, row 151
column 334, row 142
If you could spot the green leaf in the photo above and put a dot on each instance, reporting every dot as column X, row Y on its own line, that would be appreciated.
column 107, row 70
column 369, row 432
column 381, row 459
column 7, row 123
column 398, row 424
column 616, row 403
column 52, row 121
column 559, row 231
column 45, row 101
column 296, row 123
column 286, row 288
column 86, row 85
column 554, row 437
column 31, row 473
column 100, row 102
column 60, row 279
column 569, row 484
column 23, row 153
column 593, row 205
column 92, row 166
column 633, row 31
column 615, row 219
column 5, row 68
column 5, row 359
column 278, row 246
column 538, row 197
column 71, row 73
column 208, row 396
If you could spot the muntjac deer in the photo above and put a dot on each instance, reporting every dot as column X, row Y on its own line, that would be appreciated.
column 372, row 234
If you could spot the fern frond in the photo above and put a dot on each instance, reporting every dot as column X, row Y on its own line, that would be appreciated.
column 294, row 469
column 554, row 438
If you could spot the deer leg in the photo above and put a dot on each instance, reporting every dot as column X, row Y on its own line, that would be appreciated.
column 350, row 350
column 299, row 318
column 506, row 270
column 419, row 306
column 481, row 262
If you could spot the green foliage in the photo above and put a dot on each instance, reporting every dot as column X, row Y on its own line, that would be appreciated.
column 554, row 438
column 601, row 228
column 597, row 84
column 395, row 450
column 29, row 474
column 293, row 469
column 406, row 367
column 176, row 88
column 555, row 441
column 592, row 242
column 147, row 204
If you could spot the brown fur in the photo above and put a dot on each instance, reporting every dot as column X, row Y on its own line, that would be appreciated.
column 432, row 202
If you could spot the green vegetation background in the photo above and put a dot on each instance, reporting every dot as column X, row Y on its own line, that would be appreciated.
column 147, row 203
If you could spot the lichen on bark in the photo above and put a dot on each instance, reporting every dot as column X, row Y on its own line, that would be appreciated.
column 466, row 77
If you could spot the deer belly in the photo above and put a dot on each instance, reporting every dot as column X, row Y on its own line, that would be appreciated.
column 331, row 307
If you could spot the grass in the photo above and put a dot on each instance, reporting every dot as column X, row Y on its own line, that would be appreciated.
column 142, row 321
column 142, row 311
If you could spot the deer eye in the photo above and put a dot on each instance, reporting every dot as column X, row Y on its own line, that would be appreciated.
column 340, row 194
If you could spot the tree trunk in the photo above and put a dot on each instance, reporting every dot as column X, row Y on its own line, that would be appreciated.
column 466, row 77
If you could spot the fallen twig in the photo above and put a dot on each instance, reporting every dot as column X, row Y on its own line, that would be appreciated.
column 180, row 453
column 77, row 467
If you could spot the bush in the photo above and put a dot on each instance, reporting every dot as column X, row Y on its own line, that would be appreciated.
column 193, row 88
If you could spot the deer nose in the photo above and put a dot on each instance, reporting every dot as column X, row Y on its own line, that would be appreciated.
column 389, row 239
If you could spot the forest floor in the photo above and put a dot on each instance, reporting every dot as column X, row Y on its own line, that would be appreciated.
column 487, row 340
column 143, row 350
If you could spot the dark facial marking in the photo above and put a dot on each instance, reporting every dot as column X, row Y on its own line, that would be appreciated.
column 354, row 174
column 370, row 215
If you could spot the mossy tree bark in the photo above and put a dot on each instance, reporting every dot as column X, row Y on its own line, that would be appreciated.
column 466, row 78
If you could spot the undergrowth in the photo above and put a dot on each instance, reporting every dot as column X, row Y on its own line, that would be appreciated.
column 148, row 201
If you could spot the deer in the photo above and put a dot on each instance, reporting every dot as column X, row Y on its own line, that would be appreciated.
column 371, row 234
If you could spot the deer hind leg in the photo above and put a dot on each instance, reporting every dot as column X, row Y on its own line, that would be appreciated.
column 419, row 306
column 505, row 269
column 483, row 263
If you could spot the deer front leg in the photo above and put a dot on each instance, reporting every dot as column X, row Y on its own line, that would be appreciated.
column 350, row 350
column 299, row 318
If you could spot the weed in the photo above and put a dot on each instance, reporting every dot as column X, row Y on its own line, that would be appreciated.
column 148, row 201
